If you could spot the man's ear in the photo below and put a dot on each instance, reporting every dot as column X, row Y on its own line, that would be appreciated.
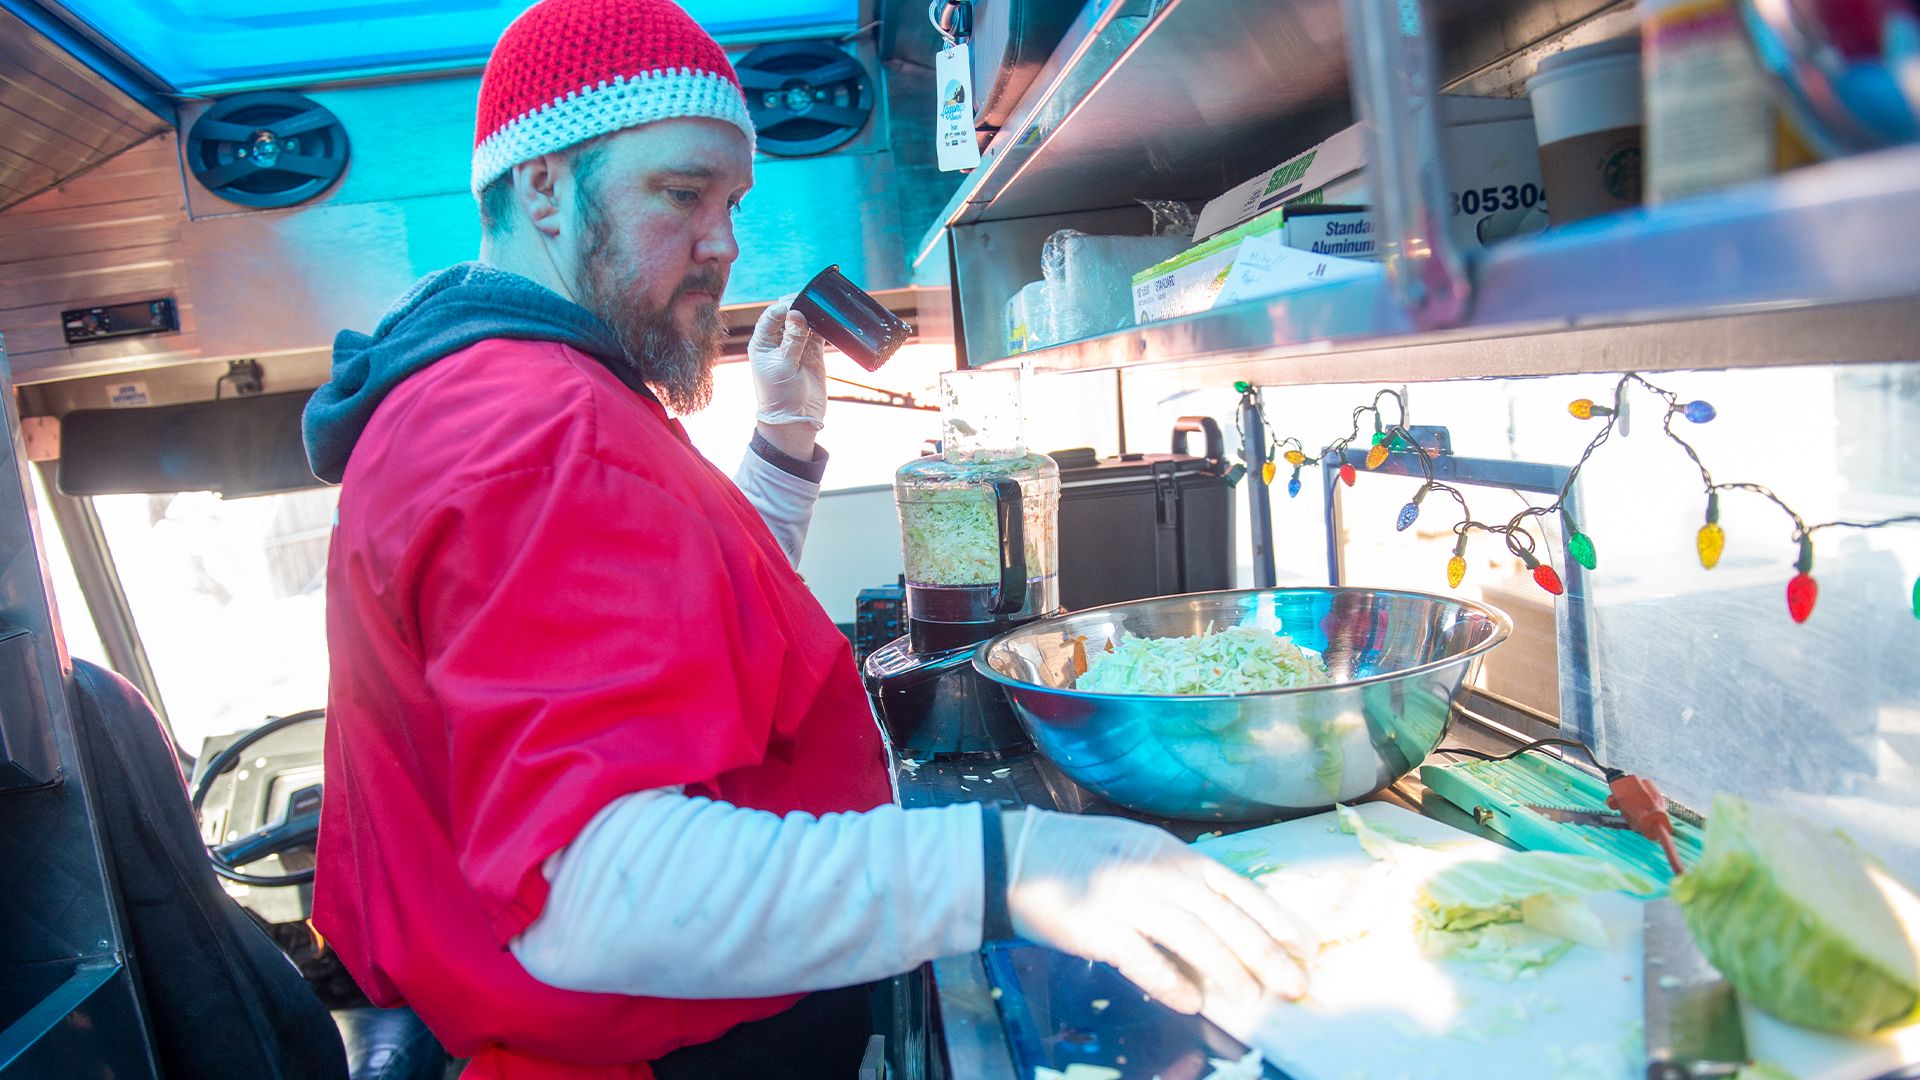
column 536, row 190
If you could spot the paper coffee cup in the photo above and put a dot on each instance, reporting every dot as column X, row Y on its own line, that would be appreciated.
column 1587, row 116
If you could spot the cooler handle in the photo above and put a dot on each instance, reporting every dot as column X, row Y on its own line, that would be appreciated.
column 1216, row 444
column 1010, row 520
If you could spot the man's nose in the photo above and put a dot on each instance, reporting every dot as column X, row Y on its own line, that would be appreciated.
column 718, row 245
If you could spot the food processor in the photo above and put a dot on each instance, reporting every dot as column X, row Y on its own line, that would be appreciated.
column 978, row 529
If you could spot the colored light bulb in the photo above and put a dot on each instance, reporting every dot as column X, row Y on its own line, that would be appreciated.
column 1293, row 485
column 1347, row 474
column 1242, row 387
column 1296, row 458
column 1585, row 409
column 1699, row 412
column 1543, row 574
column 1581, row 548
column 1545, row 577
column 1457, row 566
column 1410, row 512
column 1266, row 472
column 1712, row 540
column 1916, row 598
column 1802, row 591
column 1377, row 456
column 1379, row 437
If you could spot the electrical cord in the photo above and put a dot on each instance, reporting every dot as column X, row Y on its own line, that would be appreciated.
column 1537, row 744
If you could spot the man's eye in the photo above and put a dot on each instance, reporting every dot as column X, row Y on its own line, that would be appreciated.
column 683, row 196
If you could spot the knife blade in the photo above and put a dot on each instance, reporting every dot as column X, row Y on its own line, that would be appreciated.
column 1568, row 816
column 1692, row 1019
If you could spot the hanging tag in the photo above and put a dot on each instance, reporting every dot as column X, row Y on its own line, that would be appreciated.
column 953, row 119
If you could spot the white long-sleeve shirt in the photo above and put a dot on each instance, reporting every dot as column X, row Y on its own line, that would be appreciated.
column 667, row 895
column 783, row 489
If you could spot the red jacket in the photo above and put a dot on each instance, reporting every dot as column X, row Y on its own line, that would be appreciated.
column 540, row 598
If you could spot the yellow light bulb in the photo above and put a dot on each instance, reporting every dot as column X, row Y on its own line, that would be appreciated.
column 1456, row 571
column 1377, row 456
column 1295, row 457
column 1581, row 409
column 1711, row 542
column 1267, row 471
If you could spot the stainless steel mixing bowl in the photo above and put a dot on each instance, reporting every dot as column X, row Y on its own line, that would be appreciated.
column 1398, row 659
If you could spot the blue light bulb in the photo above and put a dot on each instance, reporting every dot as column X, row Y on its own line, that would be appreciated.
column 1699, row 412
column 1407, row 515
column 1293, row 486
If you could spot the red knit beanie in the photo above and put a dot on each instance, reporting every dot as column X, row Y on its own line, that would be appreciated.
column 566, row 71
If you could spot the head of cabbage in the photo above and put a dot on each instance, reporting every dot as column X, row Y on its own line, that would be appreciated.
column 1802, row 922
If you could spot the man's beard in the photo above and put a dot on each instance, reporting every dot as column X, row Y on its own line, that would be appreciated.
column 676, row 364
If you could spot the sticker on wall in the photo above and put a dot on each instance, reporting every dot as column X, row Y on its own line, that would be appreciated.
column 128, row 395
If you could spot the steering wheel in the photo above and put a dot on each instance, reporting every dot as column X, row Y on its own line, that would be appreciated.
column 300, row 828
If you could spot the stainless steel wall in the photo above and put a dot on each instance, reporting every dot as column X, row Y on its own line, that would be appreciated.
column 56, row 116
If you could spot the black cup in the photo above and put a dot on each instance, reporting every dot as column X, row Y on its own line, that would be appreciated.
column 854, row 322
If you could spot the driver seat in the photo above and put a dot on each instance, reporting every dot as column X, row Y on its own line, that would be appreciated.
column 222, row 999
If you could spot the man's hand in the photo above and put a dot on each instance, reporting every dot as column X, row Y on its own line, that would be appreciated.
column 789, row 372
column 1183, row 927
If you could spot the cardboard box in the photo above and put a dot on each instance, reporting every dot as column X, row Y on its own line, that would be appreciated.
column 1493, row 166
column 1346, row 231
column 1249, row 262
column 1303, row 178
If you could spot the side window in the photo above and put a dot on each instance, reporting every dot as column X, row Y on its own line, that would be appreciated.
column 75, row 618
column 229, row 596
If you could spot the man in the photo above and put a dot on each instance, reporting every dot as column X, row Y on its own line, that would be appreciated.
column 604, row 797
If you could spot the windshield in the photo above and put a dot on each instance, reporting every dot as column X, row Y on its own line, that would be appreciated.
column 230, row 599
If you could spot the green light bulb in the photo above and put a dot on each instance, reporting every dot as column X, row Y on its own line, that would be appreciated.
column 1581, row 548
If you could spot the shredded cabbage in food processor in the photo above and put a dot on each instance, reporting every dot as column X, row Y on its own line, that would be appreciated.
column 1237, row 660
column 953, row 537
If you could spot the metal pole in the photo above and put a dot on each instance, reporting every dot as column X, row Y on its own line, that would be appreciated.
column 1253, row 448
column 1396, row 96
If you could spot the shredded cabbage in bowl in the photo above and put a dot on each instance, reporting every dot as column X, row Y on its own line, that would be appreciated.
column 1237, row 660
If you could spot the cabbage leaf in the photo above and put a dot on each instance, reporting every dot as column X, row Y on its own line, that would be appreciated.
column 1802, row 922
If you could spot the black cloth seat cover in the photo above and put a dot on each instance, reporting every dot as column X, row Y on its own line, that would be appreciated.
column 223, row 1000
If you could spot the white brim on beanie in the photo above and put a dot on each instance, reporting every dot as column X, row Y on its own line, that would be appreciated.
column 615, row 105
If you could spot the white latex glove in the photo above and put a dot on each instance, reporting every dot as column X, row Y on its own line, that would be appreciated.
column 1180, row 925
column 789, row 367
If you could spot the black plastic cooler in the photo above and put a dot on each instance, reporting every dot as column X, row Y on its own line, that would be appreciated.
column 1143, row 525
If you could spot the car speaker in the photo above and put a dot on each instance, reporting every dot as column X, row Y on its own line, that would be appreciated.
column 269, row 148
column 806, row 97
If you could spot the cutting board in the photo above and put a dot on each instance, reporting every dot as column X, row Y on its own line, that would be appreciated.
column 1380, row 1009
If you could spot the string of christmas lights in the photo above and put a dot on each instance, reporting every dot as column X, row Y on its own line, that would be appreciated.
column 1802, row 590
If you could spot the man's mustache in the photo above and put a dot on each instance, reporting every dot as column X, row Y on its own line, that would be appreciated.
column 711, row 282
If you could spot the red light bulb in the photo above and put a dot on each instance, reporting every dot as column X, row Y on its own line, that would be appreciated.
column 1348, row 474
column 1543, row 574
column 1546, row 578
column 1802, row 591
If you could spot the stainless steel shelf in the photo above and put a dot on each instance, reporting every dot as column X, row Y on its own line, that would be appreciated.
column 1818, row 266
column 1182, row 99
